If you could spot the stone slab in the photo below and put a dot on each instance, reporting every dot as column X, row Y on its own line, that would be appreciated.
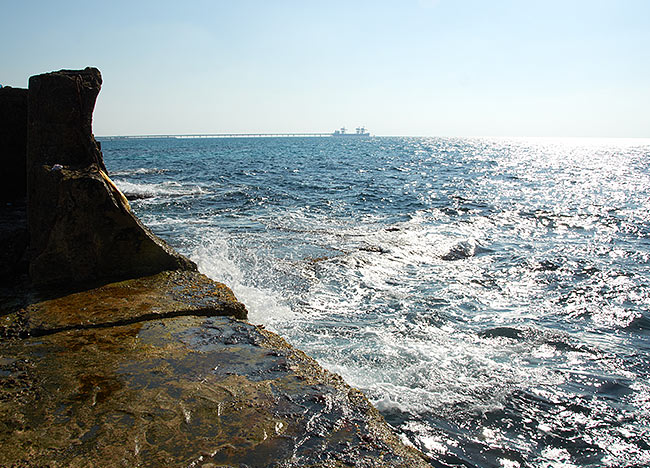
column 183, row 392
column 167, row 294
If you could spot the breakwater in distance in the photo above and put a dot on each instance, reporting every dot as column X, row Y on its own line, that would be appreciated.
column 490, row 296
column 217, row 135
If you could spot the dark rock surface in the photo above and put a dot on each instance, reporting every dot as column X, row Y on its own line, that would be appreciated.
column 81, row 227
column 61, row 108
column 13, row 191
column 13, row 242
column 13, row 144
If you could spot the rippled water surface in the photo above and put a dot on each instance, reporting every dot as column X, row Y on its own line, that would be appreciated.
column 490, row 296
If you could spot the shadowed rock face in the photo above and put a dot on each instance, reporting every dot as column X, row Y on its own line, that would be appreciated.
column 61, row 108
column 13, row 143
column 13, row 187
column 81, row 227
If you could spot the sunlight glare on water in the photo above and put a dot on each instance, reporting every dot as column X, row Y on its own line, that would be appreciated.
column 490, row 296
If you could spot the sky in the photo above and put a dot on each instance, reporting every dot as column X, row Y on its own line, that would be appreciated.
column 410, row 67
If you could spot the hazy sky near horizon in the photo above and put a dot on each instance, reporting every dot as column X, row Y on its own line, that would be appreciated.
column 411, row 67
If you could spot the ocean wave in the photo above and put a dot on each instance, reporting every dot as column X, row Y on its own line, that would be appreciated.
column 139, row 171
column 464, row 249
column 136, row 191
column 217, row 258
column 491, row 299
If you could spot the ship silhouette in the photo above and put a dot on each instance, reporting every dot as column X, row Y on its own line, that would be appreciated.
column 360, row 131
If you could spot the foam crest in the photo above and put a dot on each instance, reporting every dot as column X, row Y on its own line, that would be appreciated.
column 138, row 171
column 133, row 190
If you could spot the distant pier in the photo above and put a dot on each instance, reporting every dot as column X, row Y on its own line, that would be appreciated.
column 215, row 135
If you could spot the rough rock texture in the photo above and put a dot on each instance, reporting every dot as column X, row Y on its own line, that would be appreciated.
column 81, row 227
column 167, row 294
column 147, row 373
column 13, row 144
column 13, row 242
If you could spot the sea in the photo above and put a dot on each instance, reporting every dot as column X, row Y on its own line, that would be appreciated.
column 490, row 296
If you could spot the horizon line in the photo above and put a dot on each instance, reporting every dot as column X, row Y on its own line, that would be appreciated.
column 328, row 134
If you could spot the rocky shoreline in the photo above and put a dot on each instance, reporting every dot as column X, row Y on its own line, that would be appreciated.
column 116, row 351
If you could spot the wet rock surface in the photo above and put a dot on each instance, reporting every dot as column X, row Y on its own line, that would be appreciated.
column 167, row 294
column 183, row 391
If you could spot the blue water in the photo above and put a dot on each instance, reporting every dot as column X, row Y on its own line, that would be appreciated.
column 490, row 296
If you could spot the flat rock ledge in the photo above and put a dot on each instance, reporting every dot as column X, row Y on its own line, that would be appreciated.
column 158, row 371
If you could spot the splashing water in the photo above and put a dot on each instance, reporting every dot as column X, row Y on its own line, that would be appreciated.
column 490, row 296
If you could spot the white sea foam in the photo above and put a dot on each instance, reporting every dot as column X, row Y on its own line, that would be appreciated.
column 138, row 171
column 408, row 362
column 215, row 258
column 165, row 189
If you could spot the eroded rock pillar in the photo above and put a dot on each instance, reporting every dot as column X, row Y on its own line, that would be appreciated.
column 81, row 227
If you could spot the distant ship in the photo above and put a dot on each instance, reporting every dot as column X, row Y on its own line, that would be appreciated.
column 360, row 132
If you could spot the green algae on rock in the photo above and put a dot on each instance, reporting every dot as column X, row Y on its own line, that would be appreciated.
column 167, row 294
column 183, row 391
